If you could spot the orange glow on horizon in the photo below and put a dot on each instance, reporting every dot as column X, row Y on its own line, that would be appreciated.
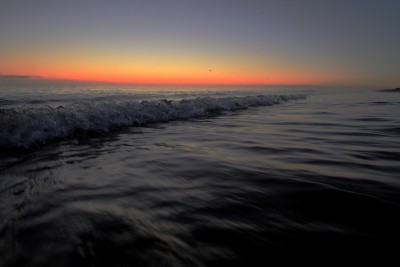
column 176, row 68
column 208, row 77
column 154, row 79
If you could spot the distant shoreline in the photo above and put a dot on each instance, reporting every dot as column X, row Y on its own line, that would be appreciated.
column 391, row 90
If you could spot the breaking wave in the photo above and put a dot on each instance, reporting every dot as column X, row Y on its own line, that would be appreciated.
column 25, row 127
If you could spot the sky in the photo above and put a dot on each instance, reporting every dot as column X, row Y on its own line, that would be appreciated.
column 298, row 42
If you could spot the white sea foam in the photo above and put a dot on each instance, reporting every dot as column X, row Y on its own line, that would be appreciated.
column 24, row 127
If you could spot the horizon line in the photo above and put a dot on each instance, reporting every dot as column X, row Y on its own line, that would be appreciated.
column 55, row 79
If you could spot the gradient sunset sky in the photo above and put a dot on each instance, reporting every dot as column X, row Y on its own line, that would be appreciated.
column 332, row 42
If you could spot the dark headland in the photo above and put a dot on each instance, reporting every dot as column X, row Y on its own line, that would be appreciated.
column 391, row 90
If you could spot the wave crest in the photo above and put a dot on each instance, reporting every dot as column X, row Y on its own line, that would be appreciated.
column 24, row 127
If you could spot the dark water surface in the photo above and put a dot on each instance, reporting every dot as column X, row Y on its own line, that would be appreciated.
column 311, row 177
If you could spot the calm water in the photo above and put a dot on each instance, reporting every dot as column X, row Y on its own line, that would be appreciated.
column 238, row 181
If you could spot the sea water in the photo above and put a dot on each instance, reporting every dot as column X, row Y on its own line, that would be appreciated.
column 122, row 175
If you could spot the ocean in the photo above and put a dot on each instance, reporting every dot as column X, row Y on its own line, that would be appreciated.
column 130, row 175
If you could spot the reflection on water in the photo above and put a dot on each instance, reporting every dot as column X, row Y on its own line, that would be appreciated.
column 313, row 177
